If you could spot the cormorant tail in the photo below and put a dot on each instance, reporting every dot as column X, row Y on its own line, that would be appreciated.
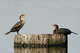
column 74, row 33
column 7, row 33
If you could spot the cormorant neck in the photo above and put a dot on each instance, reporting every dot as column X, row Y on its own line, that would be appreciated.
column 21, row 18
column 56, row 27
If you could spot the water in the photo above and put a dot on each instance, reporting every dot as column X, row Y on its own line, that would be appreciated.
column 40, row 50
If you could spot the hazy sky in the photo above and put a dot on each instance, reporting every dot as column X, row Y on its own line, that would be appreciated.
column 42, row 13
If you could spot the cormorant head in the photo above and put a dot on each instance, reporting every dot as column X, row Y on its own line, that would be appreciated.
column 56, row 26
column 22, row 17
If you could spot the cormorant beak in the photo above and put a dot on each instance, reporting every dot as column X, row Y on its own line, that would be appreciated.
column 53, row 26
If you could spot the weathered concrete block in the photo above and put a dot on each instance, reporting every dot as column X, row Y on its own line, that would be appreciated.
column 39, row 39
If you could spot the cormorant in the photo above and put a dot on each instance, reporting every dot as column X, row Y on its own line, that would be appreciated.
column 18, row 25
column 64, row 31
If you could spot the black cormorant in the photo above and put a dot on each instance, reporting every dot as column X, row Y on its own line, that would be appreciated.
column 64, row 31
column 18, row 25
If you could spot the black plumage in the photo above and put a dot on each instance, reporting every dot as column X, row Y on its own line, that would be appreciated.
column 64, row 31
column 18, row 25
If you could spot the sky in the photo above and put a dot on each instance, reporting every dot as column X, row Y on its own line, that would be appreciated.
column 42, row 13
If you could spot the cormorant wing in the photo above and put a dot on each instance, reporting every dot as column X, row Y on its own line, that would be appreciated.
column 17, row 25
column 65, row 31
